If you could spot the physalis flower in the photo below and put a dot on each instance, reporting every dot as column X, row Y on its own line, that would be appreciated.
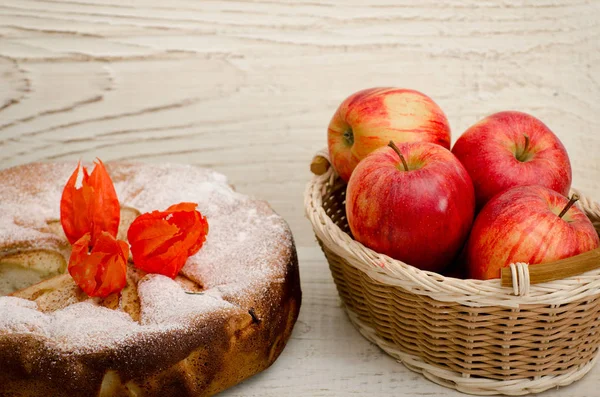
column 92, row 207
column 161, row 241
column 89, row 215
column 101, row 271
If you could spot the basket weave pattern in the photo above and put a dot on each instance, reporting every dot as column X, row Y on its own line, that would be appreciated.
column 471, row 335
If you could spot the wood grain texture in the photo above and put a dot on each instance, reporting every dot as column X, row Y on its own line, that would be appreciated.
column 248, row 87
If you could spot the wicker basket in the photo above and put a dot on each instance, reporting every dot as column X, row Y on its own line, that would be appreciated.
column 477, row 337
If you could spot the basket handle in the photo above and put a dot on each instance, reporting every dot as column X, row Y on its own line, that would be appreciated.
column 520, row 275
column 320, row 163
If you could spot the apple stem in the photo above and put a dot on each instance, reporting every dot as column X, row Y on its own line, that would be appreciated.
column 526, row 143
column 523, row 153
column 393, row 146
column 572, row 201
column 349, row 136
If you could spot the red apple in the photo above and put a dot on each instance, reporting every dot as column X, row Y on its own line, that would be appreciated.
column 510, row 149
column 369, row 119
column 414, row 202
column 527, row 224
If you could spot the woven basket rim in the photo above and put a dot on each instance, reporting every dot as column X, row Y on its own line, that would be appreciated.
column 470, row 292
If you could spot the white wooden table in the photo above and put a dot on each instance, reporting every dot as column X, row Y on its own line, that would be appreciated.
column 247, row 87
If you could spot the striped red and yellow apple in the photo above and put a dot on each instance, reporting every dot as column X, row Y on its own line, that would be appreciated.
column 413, row 202
column 530, row 224
column 509, row 149
column 369, row 119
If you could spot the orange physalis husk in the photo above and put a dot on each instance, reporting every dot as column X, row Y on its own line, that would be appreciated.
column 161, row 241
column 92, row 208
column 101, row 271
